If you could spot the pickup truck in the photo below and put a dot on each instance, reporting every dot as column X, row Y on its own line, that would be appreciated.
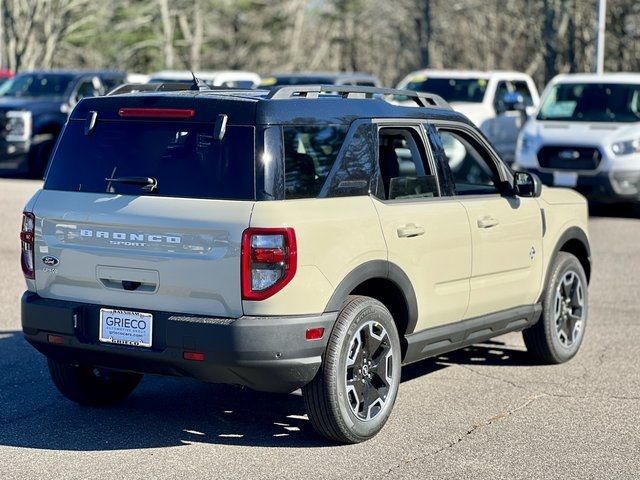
column 34, row 107
column 497, row 102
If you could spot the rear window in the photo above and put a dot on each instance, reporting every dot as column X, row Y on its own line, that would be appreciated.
column 184, row 159
column 310, row 153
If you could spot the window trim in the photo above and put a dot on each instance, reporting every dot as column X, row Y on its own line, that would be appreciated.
column 505, row 173
column 418, row 126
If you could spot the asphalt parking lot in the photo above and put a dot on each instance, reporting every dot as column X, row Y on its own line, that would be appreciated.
column 485, row 412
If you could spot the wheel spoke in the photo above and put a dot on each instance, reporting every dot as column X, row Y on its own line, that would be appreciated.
column 371, row 341
column 566, row 287
column 355, row 351
column 371, row 396
column 576, row 300
column 572, row 321
column 358, row 386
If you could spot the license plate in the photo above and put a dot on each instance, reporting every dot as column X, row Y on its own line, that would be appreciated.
column 565, row 179
column 123, row 327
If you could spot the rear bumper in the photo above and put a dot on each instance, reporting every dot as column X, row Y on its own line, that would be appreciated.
column 614, row 186
column 263, row 353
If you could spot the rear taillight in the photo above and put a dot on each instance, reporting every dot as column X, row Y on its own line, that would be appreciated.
column 269, row 261
column 26, row 239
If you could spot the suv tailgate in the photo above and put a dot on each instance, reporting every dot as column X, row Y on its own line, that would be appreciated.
column 159, row 253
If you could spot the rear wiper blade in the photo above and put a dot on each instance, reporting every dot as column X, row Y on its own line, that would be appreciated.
column 147, row 183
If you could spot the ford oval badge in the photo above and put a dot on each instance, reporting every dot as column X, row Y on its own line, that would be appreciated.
column 50, row 260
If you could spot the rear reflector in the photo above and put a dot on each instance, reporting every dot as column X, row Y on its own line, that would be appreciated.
column 157, row 112
column 194, row 356
column 315, row 333
column 57, row 339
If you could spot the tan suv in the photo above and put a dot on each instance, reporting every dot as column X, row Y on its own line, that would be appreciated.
column 307, row 237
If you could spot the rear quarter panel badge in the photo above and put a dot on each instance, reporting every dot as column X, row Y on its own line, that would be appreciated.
column 50, row 261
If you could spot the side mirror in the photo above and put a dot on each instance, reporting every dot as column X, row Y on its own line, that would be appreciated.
column 511, row 102
column 527, row 184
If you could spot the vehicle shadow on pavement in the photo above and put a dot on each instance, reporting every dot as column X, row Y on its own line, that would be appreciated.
column 490, row 353
column 164, row 412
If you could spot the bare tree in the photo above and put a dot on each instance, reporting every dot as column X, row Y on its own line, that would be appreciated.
column 389, row 39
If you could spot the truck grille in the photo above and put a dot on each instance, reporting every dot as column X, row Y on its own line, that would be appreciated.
column 569, row 158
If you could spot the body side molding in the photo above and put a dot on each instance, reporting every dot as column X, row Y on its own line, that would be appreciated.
column 446, row 338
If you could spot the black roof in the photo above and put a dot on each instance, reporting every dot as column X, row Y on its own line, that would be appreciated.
column 262, row 107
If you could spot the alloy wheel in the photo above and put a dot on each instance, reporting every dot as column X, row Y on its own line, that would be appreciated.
column 569, row 309
column 369, row 370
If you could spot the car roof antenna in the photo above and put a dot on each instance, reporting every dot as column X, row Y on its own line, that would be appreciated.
column 198, row 85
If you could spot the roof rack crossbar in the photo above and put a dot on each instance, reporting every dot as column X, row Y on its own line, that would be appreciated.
column 423, row 99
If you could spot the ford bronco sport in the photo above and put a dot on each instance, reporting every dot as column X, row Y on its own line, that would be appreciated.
column 313, row 237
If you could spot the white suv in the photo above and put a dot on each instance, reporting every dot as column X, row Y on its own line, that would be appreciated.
column 494, row 101
column 586, row 135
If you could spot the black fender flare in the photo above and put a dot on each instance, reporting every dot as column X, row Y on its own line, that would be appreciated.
column 377, row 269
column 571, row 233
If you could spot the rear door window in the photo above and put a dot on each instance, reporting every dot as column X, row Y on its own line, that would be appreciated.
column 184, row 158
column 310, row 152
column 404, row 167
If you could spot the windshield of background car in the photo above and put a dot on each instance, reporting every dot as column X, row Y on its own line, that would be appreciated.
column 451, row 89
column 184, row 158
column 592, row 102
column 36, row 85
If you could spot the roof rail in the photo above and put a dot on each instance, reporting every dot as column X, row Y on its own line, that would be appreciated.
column 349, row 91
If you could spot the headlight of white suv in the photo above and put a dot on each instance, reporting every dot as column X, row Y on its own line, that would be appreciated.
column 627, row 147
column 18, row 126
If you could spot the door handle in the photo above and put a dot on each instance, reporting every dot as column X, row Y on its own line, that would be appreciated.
column 487, row 222
column 410, row 230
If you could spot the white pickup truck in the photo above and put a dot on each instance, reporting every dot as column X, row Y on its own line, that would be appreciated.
column 495, row 101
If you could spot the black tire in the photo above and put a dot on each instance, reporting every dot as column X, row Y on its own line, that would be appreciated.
column 327, row 398
column 544, row 340
column 88, row 385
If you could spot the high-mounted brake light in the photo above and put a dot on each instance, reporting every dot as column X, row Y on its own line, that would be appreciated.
column 27, row 241
column 269, row 261
column 175, row 113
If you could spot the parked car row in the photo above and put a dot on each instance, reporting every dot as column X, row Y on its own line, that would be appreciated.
column 584, row 134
